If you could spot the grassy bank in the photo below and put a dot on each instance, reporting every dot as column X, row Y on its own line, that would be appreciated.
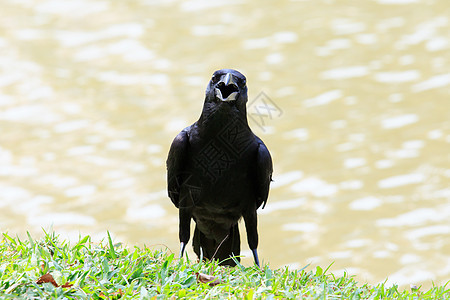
column 50, row 268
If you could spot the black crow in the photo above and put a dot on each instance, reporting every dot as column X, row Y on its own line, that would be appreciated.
column 219, row 171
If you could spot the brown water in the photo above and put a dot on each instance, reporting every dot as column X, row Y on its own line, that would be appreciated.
column 93, row 92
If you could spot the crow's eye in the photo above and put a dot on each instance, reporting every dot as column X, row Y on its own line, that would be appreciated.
column 215, row 78
column 242, row 82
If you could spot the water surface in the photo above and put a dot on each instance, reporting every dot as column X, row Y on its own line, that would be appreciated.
column 352, row 99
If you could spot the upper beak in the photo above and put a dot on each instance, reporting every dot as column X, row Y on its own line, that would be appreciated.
column 228, row 79
column 227, row 89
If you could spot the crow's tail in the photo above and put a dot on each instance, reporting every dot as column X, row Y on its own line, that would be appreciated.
column 229, row 245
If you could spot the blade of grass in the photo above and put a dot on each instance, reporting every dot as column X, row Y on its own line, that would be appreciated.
column 112, row 252
column 31, row 240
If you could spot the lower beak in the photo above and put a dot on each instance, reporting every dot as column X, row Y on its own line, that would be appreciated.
column 232, row 97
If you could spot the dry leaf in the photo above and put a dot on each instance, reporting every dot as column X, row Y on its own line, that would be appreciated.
column 115, row 295
column 204, row 278
column 49, row 278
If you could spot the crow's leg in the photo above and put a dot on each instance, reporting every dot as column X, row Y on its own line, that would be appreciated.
column 182, row 247
column 184, row 228
column 255, row 256
column 251, row 225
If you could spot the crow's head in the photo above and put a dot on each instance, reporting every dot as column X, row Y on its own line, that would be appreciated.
column 227, row 86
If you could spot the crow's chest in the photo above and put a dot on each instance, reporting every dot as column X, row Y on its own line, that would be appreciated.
column 225, row 157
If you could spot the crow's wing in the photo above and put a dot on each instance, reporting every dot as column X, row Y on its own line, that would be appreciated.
column 176, row 162
column 263, row 173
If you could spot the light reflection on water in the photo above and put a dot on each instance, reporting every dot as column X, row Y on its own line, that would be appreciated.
column 92, row 93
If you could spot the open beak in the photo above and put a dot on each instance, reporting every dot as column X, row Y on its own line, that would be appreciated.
column 227, row 89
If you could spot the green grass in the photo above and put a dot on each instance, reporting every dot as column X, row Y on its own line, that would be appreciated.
column 111, row 271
